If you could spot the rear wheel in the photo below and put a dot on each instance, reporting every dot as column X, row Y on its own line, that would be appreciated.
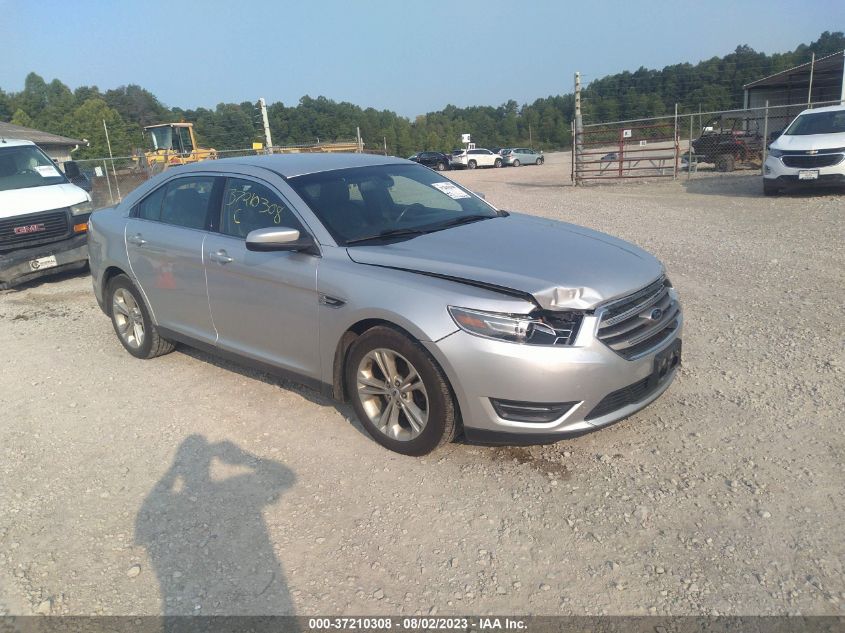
column 725, row 162
column 539, row 161
column 399, row 393
column 132, row 322
column 472, row 164
column 516, row 163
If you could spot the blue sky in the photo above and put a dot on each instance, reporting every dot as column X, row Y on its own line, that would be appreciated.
column 409, row 56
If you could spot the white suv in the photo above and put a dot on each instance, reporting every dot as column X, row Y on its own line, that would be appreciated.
column 472, row 158
column 811, row 151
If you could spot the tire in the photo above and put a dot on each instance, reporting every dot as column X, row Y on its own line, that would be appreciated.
column 770, row 189
column 472, row 164
column 441, row 166
column 725, row 162
column 498, row 163
column 431, row 405
column 516, row 163
column 539, row 161
column 128, row 313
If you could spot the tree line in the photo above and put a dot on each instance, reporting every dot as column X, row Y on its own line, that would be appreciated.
column 713, row 84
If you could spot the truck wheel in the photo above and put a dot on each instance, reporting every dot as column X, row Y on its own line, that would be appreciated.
column 725, row 162
column 399, row 393
column 472, row 164
column 132, row 322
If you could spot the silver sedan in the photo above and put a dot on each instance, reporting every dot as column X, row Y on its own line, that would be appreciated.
column 379, row 281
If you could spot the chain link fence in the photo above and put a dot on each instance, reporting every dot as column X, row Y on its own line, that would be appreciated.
column 689, row 143
column 110, row 179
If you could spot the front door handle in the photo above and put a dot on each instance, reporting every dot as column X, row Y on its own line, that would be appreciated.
column 137, row 240
column 221, row 257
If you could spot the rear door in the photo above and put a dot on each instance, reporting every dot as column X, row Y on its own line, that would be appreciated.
column 164, row 240
column 264, row 304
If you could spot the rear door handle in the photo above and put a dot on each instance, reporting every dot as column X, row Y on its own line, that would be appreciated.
column 221, row 257
column 136, row 239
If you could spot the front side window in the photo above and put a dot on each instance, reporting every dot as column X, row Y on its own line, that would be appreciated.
column 818, row 123
column 365, row 202
column 187, row 202
column 24, row 166
column 248, row 205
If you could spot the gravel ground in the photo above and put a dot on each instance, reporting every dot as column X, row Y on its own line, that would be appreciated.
column 188, row 485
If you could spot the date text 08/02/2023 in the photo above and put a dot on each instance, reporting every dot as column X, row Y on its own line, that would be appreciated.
column 417, row 623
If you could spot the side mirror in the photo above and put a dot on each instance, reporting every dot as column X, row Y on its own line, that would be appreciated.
column 279, row 239
column 72, row 169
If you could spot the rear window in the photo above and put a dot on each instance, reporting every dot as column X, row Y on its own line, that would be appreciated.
column 25, row 166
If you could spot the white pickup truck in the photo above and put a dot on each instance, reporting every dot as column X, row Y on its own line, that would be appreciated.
column 472, row 158
column 43, row 216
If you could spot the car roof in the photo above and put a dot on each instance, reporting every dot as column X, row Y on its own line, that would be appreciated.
column 833, row 108
column 291, row 165
column 14, row 142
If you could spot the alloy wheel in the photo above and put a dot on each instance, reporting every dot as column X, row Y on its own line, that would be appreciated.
column 128, row 318
column 392, row 394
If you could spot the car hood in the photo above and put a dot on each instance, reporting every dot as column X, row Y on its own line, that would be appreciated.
column 45, row 198
column 563, row 266
column 809, row 141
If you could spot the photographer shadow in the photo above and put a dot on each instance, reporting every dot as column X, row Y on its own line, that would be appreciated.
column 204, row 531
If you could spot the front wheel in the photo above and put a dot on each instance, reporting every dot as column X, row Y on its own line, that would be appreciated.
column 441, row 166
column 539, row 161
column 472, row 164
column 132, row 322
column 399, row 393
column 497, row 163
column 769, row 188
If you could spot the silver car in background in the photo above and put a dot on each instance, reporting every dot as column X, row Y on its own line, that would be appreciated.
column 379, row 281
column 516, row 156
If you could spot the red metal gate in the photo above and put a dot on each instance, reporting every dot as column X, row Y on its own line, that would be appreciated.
column 633, row 151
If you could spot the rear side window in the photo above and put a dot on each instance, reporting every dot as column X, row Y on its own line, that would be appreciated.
column 150, row 207
column 248, row 205
column 187, row 202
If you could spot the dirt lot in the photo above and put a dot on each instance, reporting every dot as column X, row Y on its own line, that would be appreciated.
column 188, row 485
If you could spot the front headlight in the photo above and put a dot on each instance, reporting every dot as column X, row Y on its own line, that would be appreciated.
column 82, row 207
column 775, row 153
column 526, row 329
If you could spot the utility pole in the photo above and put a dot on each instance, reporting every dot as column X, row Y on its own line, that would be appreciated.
column 111, row 158
column 810, row 89
column 268, row 141
column 530, row 142
column 579, row 129
column 360, row 142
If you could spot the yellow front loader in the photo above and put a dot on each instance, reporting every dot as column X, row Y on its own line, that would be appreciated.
column 174, row 144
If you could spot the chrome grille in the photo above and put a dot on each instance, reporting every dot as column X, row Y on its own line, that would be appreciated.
column 627, row 325
column 51, row 225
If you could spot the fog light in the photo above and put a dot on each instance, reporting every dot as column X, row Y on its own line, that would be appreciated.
column 80, row 228
column 516, row 411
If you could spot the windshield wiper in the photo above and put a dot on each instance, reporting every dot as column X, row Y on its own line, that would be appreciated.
column 387, row 234
column 464, row 220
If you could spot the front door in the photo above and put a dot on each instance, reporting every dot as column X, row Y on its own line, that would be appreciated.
column 264, row 304
column 164, row 242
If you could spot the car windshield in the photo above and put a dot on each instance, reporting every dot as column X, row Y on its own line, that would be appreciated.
column 24, row 166
column 457, row 152
column 387, row 201
column 818, row 123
